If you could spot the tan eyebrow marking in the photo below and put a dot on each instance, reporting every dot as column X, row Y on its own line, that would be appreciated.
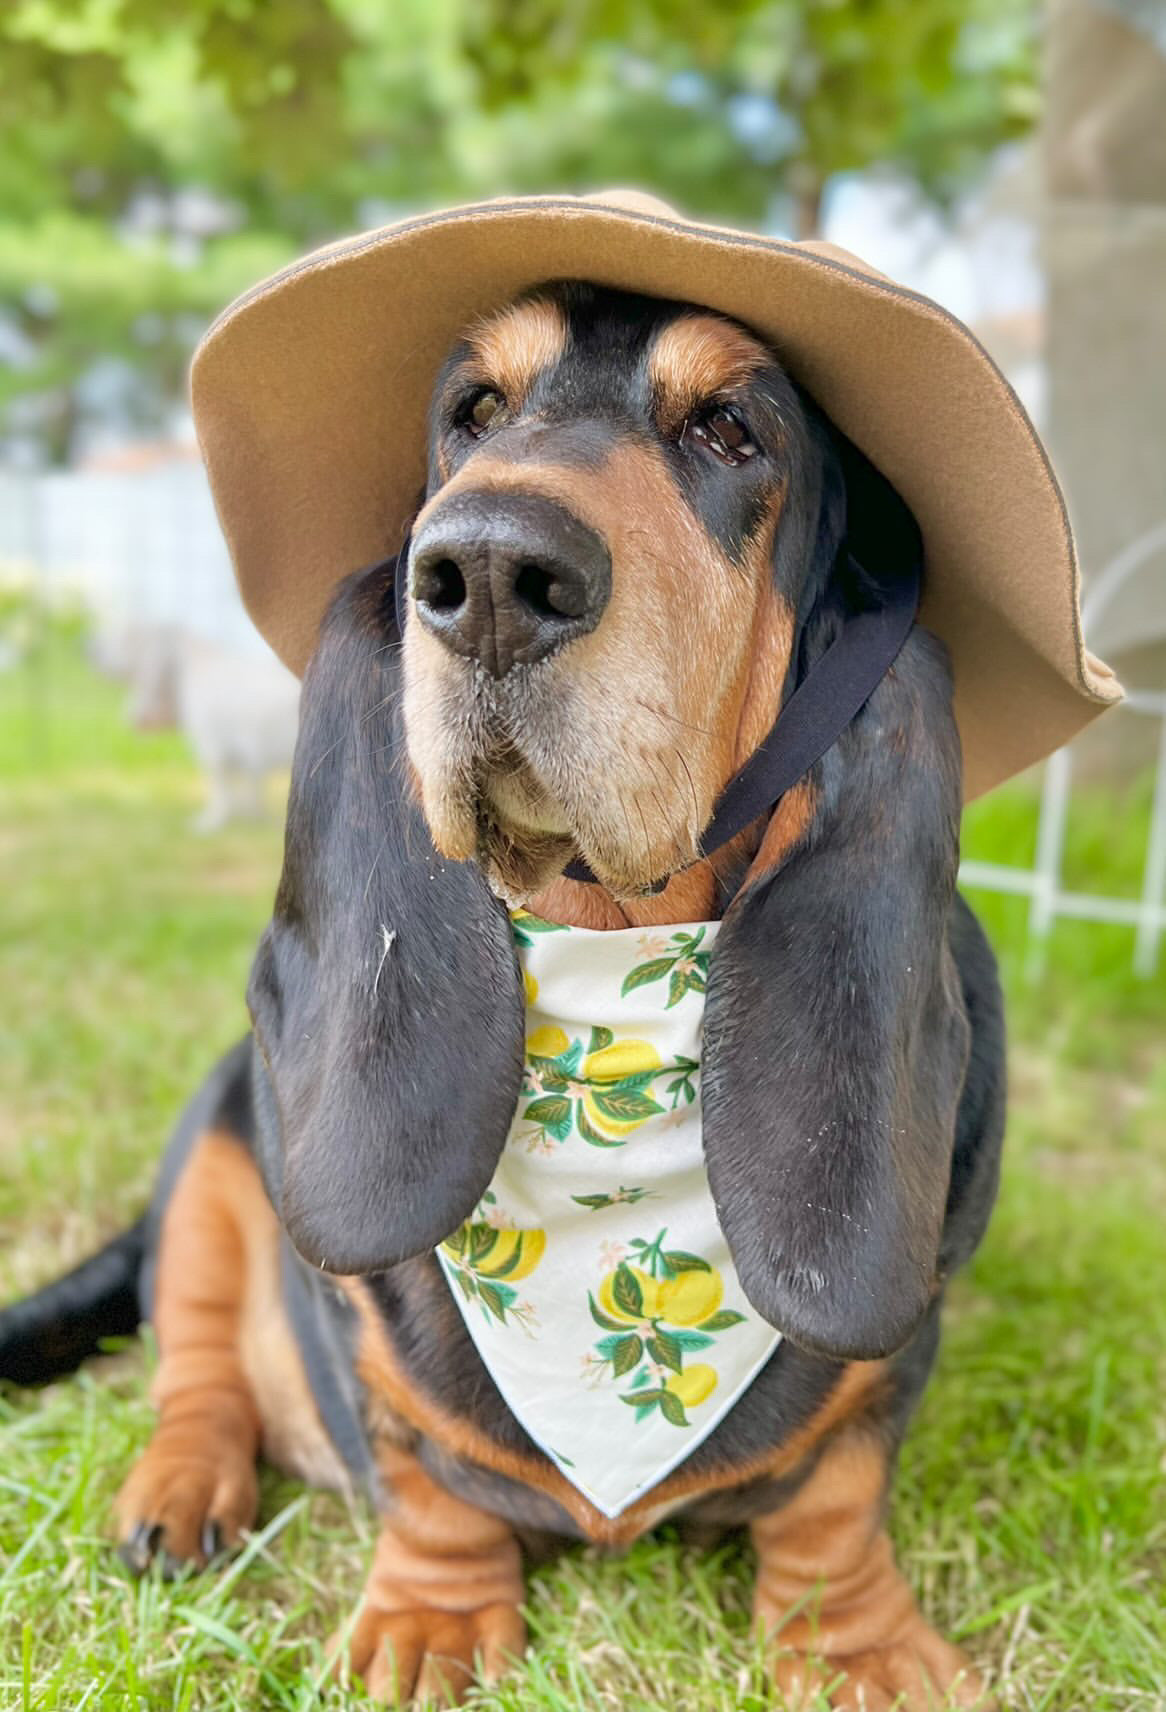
column 695, row 358
column 518, row 344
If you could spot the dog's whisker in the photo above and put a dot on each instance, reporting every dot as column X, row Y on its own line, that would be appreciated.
column 320, row 759
column 647, row 834
column 648, row 707
column 696, row 814
column 379, row 707
column 673, row 718
column 375, row 861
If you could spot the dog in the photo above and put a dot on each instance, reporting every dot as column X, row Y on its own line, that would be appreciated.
column 239, row 713
column 625, row 560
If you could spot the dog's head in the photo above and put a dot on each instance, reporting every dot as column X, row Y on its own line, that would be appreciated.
column 627, row 553
column 599, row 623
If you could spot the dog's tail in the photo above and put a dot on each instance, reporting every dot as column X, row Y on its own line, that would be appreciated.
column 53, row 1331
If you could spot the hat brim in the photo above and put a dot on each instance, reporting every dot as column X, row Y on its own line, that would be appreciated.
column 310, row 396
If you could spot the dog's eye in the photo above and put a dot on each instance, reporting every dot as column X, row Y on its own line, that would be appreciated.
column 724, row 431
column 480, row 409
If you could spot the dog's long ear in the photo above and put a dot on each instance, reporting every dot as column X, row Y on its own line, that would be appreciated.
column 385, row 996
column 834, row 1037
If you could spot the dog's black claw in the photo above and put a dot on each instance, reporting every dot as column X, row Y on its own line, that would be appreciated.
column 172, row 1567
column 212, row 1540
column 139, row 1550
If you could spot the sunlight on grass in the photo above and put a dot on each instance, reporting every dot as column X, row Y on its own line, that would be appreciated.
column 1028, row 1510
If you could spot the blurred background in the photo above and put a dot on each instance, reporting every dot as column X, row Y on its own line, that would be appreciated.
column 1008, row 157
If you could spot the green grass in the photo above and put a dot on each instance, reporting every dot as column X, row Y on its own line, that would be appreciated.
column 1028, row 1511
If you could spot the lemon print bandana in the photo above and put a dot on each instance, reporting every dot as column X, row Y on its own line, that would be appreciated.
column 593, row 1276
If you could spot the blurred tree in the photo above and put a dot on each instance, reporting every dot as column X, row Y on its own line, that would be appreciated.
column 726, row 105
column 158, row 155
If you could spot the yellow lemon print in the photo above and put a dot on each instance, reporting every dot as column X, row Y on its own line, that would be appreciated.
column 605, row 1125
column 515, row 1255
column 690, row 1297
column 507, row 1254
column 694, row 1384
column 546, row 1042
column 529, row 986
column 649, row 1291
column 606, row 1069
column 622, row 1058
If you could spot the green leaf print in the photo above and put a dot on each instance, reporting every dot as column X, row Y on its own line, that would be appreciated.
column 561, row 1068
column 722, row 1320
column 618, row 1197
column 659, row 1397
column 683, row 981
column 482, row 1239
column 526, row 927
column 509, row 1265
column 626, row 1292
column 628, row 1351
column 637, row 1080
column 672, row 1409
column 550, row 1073
column 667, row 1350
column 457, row 1242
column 686, row 968
column 589, row 1133
column 679, row 1260
column 604, row 1320
column 497, row 1297
column 602, row 1104
column 655, row 970
column 669, row 1302
column 480, row 1257
column 683, row 1086
column 689, row 1342
column 625, row 1105
column 553, row 1111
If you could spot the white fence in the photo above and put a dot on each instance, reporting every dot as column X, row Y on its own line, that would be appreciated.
column 139, row 546
column 1042, row 883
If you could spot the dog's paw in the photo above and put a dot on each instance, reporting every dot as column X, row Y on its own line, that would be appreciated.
column 180, row 1511
column 432, row 1655
column 919, row 1672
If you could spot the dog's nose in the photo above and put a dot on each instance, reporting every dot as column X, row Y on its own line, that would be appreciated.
column 508, row 578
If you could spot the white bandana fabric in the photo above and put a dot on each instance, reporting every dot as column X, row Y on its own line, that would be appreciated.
column 593, row 1276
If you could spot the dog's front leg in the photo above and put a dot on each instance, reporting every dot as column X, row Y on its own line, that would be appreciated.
column 443, row 1595
column 843, row 1619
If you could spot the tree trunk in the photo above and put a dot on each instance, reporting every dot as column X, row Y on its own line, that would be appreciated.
column 61, row 427
column 806, row 186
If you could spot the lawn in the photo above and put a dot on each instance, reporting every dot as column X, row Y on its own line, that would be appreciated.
column 1029, row 1509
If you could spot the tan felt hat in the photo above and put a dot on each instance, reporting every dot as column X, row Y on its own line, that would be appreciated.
column 310, row 396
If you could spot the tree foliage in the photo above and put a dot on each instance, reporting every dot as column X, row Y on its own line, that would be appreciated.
column 158, row 155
